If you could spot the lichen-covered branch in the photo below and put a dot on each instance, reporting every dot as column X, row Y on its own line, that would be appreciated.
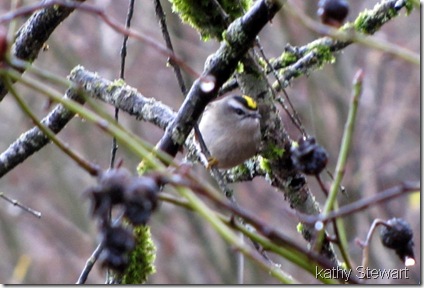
column 297, row 61
column 34, row 33
column 275, row 152
column 122, row 96
column 33, row 140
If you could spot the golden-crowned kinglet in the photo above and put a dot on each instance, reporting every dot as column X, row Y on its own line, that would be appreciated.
column 230, row 129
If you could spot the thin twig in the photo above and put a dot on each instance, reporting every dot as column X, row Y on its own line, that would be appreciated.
column 294, row 116
column 121, row 76
column 15, row 202
column 90, row 263
column 165, row 34
column 365, row 244
column 380, row 197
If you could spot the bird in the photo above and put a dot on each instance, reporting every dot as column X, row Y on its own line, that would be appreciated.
column 230, row 129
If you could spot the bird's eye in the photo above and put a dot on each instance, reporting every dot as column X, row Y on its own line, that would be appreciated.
column 238, row 111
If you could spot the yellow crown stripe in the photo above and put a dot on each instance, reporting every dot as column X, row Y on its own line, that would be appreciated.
column 250, row 102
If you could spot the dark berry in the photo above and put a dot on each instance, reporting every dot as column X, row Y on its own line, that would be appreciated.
column 112, row 259
column 100, row 203
column 118, row 239
column 141, row 200
column 109, row 191
column 114, row 183
column 398, row 236
column 309, row 157
column 333, row 12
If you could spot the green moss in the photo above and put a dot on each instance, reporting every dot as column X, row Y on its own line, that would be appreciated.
column 361, row 20
column 323, row 54
column 205, row 18
column 240, row 67
column 142, row 258
column 300, row 228
column 265, row 165
column 224, row 36
column 296, row 73
column 263, row 63
column 369, row 21
column 272, row 152
column 409, row 6
column 241, row 169
column 287, row 58
column 116, row 83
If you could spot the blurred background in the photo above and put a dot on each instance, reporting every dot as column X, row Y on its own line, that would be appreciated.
column 385, row 150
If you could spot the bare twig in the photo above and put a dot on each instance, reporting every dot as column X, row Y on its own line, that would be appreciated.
column 277, row 237
column 20, row 205
column 365, row 244
column 380, row 197
column 162, row 22
column 121, row 76
column 89, row 264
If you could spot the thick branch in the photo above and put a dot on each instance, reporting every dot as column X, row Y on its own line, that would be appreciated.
column 33, row 140
column 122, row 96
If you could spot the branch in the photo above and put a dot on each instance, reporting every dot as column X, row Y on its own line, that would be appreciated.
column 359, row 30
column 122, row 96
column 33, row 140
column 34, row 33
column 380, row 197
column 25, row 208
column 298, row 61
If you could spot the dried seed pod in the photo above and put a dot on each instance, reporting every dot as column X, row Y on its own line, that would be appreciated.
column 109, row 191
column 398, row 236
column 118, row 242
column 141, row 200
column 333, row 12
column 114, row 182
column 309, row 157
column 114, row 260
column 118, row 238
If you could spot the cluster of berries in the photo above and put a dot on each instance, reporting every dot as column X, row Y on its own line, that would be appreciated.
column 137, row 196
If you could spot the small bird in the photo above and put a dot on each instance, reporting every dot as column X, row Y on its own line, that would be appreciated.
column 230, row 128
